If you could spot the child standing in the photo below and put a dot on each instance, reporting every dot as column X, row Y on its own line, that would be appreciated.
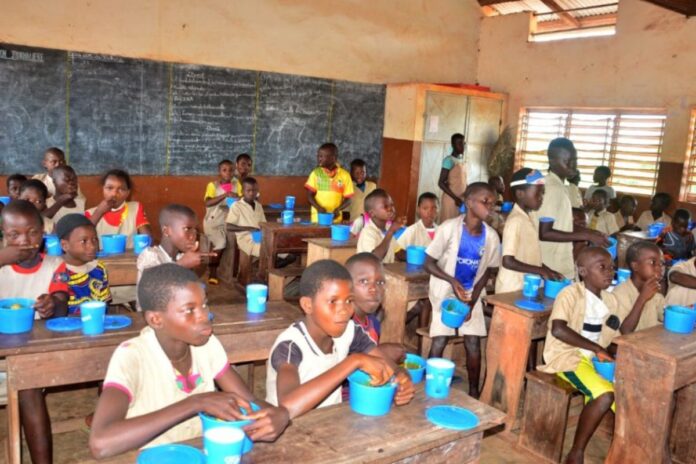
column 329, row 186
column 34, row 191
column 245, row 216
column 452, row 179
column 459, row 260
column 115, row 214
column 243, row 165
column 574, row 191
column 521, row 249
column 677, row 242
column 624, row 216
column 86, row 276
column 160, row 380
column 66, row 200
column 216, row 195
column 361, row 188
column 377, row 236
column 600, row 219
column 600, row 178
column 310, row 360
column 13, row 184
column 581, row 326
column 659, row 203
column 423, row 231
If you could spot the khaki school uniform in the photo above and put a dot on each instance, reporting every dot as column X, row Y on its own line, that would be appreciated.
column 445, row 248
column 370, row 238
column 127, row 227
column 357, row 203
column 557, row 255
column 415, row 235
column 214, row 220
column 603, row 222
column 49, row 225
column 621, row 222
column 244, row 215
column 79, row 208
column 626, row 295
column 51, row 186
column 646, row 218
column 678, row 295
column 521, row 241
column 575, row 196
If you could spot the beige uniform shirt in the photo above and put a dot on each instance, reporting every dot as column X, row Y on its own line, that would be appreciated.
column 646, row 218
column 31, row 285
column 357, row 202
column 140, row 368
column 79, row 208
column 51, row 186
column 557, row 255
column 626, row 295
column 244, row 215
column 603, row 222
column 415, row 235
column 214, row 220
column 678, row 295
column 570, row 307
column 620, row 221
column 127, row 227
column 521, row 241
column 49, row 225
column 575, row 195
column 370, row 237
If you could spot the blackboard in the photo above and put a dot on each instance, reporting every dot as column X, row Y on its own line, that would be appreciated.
column 158, row 118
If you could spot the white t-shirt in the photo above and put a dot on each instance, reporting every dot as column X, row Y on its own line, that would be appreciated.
column 18, row 282
column 295, row 346
column 595, row 314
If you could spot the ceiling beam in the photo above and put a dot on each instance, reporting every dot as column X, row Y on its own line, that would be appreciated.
column 589, row 21
column 492, row 2
column 566, row 17
column 685, row 7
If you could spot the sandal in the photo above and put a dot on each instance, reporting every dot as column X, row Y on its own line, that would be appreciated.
column 213, row 281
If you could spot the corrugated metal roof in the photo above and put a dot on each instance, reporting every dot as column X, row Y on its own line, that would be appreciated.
column 590, row 8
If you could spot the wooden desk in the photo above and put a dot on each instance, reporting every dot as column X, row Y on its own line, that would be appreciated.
column 335, row 434
column 404, row 283
column 121, row 268
column 273, row 214
column 650, row 366
column 279, row 238
column 509, row 338
column 325, row 248
column 43, row 358
column 625, row 240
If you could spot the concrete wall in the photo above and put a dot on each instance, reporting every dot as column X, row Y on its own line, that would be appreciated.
column 650, row 62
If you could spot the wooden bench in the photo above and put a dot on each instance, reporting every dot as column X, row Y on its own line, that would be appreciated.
column 278, row 278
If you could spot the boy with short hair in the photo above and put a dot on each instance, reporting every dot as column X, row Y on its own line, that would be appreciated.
column 243, row 165
column 600, row 178
column 13, row 184
column 423, row 231
column 368, row 291
column 361, row 187
column 329, row 186
column 498, row 185
column 659, row 203
column 53, row 157
column 677, row 242
column 581, row 326
column 377, row 236
column 26, row 273
column 35, row 192
column 521, row 249
column 158, row 382
column 245, row 216
column 310, row 360
column 641, row 304
column 85, row 275
column 453, row 179
column 600, row 219
column 624, row 216
column 65, row 200
column 216, row 195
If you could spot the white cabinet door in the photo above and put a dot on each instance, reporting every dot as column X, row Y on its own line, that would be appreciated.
column 482, row 130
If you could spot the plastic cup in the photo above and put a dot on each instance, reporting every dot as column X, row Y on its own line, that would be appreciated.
column 531, row 285
column 369, row 400
column 16, row 315
column 553, row 287
column 210, row 422
column 256, row 294
column 506, row 207
column 415, row 365
column 415, row 255
column 52, row 243
column 438, row 377
column 114, row 243
column 140, row 242
column 223, row 445
column 230, row 201
column 340, row 233
column 325, row 219
column 680, row 319
column 289, row 202
column 453, row 312
column 623, row 275
column 92, row 314
column 5, row 200
column 288, row 216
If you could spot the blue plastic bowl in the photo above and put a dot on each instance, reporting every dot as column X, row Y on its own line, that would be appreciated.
column 416, row 373
column 680, row 319
column 113, row 243
column 326, row 219
column 506, row 207
column 415, row 255
column 230, row 201
column 368, row 400
column 210, row 422
column 453, row 312
column 612, row 247
column 4, row 200
column 52, row 245
column 553, row 287
column 16, row 315
column 605, row 369
column 340, row 233
column 256, row 236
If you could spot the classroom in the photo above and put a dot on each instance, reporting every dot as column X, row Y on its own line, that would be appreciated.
column 348, row 231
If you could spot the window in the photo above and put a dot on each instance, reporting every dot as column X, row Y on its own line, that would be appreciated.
column 628, row 141
column 689, row 177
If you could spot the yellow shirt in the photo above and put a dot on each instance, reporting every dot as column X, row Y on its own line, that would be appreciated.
column 521, row 241
column 211, row 189
column 330, row 188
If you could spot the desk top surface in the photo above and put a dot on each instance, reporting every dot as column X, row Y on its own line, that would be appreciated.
column 406, row 271
column 228, row 319
column 337, row 434
column 129, row 257
column 507, row 301
column 296, row 227
column 329, row 243
column 660, row 342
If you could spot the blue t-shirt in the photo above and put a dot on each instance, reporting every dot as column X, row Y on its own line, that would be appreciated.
column 469, row 256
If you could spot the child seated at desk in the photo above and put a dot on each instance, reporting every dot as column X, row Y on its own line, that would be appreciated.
column 115, row 214
column 310, row 360
column 682, row 284
column 377, row 236
column 216, row 209
column 53, row 157
column 624, row 216
column 85, row 275
column 26, row 273
column 677, row 242
column 13, row 184
column 659, row 203
column 641, row 304
column 245, row 216
column 423, row 231
column 158, row 382
column 361, row 188
column 581, row 326
column 521, row 249
column 601, row 219
column 329, row 186
column 66, row 200
column 460, row 260
column 35, row 192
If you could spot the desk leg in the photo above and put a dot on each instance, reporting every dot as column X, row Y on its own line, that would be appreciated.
column 682, row 443
column 14, row 432
column 644, row 404
column 395, row 306
column 509, row 339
